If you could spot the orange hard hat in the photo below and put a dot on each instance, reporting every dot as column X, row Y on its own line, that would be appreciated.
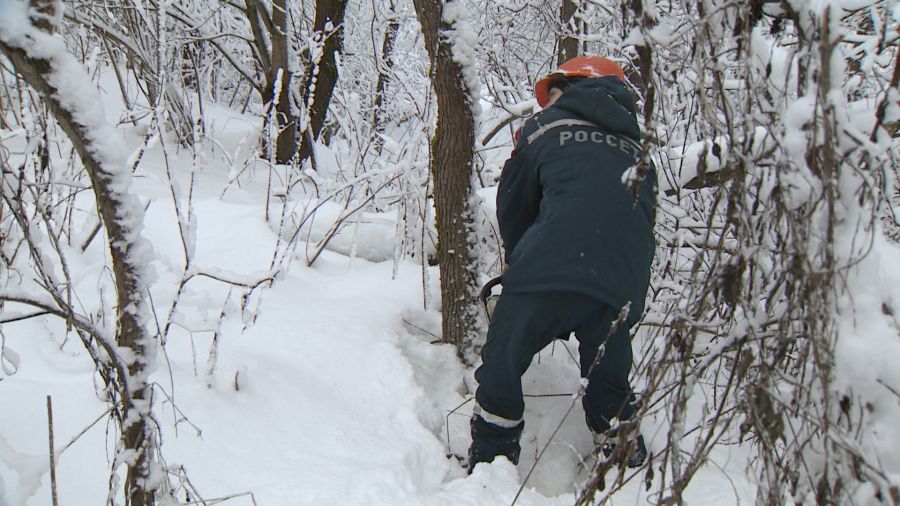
column 580, row 66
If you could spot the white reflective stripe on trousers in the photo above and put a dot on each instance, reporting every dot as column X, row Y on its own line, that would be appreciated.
column 493, row 419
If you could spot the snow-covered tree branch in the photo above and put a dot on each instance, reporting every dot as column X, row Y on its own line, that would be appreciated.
column 42, row 59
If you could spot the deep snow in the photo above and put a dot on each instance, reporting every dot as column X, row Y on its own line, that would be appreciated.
column 335, row 395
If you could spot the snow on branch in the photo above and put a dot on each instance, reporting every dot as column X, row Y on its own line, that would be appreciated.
column 42, row 59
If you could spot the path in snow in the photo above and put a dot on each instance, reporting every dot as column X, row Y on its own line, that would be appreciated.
column 331, row 397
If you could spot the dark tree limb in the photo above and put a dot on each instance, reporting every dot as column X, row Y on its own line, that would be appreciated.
column 385, row 66
column 567, row 44
column 328, row 27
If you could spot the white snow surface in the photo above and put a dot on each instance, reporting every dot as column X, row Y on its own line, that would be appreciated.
column 867, row 350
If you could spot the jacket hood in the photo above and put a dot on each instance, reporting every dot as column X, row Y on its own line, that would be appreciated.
column 605, row 101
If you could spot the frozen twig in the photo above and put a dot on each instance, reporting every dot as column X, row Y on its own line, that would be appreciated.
column 52, row 452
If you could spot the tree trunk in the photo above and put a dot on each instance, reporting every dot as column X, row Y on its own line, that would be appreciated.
column 568, row 44
column 286, row 145
column 323, row 74
column 272, row 55
column 384, row 74
column 451, row 168
column 137, row 435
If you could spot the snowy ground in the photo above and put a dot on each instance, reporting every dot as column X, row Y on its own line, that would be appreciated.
column 335, row 395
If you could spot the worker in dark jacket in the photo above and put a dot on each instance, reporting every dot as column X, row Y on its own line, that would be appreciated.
column 578, row 243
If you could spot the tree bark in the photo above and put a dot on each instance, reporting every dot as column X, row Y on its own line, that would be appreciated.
column 384, row 73
column 568, row 45
column 451, row 167
column 329, row 25
column 137, row 436
column 272, row 54
column 286, row 145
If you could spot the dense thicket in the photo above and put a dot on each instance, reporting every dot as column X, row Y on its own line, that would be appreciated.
column 773, row 126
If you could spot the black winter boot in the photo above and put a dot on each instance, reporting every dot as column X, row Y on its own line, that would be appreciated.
column 490, row 441
column 633, row 452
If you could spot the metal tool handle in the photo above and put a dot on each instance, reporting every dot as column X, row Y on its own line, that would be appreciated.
column 486, row 289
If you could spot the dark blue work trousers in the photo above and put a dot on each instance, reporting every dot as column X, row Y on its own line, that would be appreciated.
column 524, row 323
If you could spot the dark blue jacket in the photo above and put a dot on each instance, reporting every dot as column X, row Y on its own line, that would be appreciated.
column 567, row 220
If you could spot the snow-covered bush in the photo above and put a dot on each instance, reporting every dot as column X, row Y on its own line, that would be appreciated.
column 767, row 121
